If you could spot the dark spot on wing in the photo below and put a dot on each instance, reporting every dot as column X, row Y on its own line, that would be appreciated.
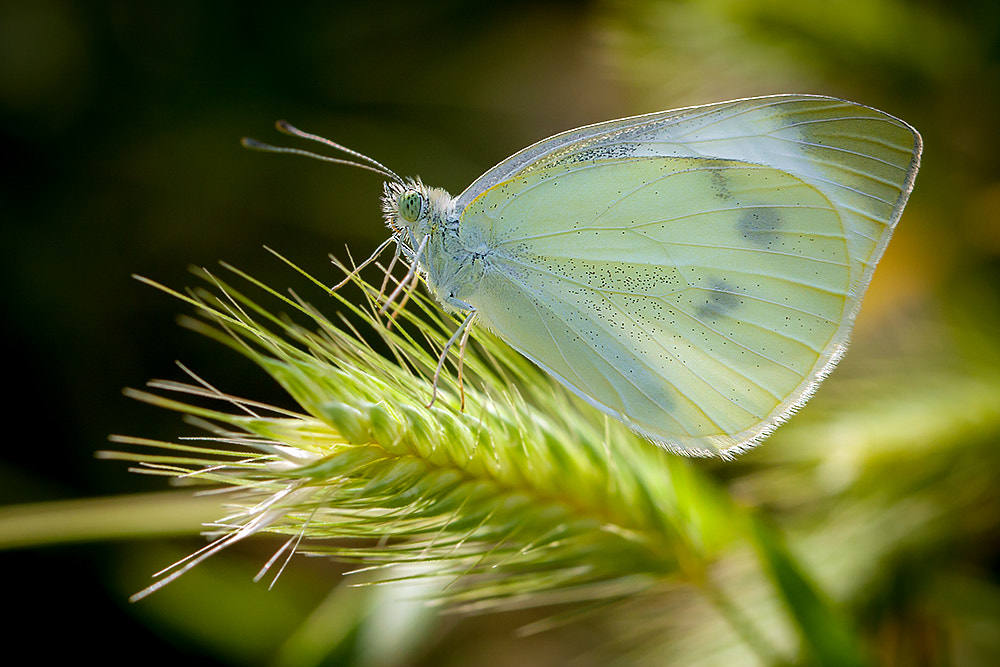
column 720, row 299
column 760, row 225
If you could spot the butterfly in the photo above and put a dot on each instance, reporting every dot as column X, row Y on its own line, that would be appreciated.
column 693, row 273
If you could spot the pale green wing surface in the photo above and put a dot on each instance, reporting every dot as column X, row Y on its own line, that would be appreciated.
column 696, row 300
column 863, row 160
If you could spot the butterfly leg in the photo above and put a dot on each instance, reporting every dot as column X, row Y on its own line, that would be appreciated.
column 411, row 275
column 388, row 272
column 461, row 364
column 461, row 332
column 415, row 281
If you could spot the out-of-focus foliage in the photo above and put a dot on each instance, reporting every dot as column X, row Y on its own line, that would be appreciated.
column 876, row 504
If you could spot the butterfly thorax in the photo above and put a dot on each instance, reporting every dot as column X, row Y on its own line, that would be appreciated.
column 425, row 224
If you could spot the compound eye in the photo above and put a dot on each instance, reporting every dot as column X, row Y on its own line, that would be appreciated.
column 411, row 205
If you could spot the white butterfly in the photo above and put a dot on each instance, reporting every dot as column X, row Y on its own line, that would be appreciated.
column 694, row 273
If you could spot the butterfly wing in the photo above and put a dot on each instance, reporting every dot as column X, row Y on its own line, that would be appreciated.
column 862, row 159
column 693, row 273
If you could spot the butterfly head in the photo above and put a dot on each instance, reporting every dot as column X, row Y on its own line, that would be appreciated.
column 413, row 207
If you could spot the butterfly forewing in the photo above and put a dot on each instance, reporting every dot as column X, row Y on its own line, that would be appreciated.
column 694, row 273
column 687, row 297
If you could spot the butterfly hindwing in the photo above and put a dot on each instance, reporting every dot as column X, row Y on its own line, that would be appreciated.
column 862, row 159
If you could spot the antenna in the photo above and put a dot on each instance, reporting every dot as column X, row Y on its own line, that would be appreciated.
column 287, row 128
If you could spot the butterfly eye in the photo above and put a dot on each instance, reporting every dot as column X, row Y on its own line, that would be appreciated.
column 411, row 206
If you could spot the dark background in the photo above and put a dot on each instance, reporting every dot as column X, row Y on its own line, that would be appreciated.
column 120, row 134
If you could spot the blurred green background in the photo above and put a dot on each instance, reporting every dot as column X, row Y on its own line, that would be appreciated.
column 120, row 131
